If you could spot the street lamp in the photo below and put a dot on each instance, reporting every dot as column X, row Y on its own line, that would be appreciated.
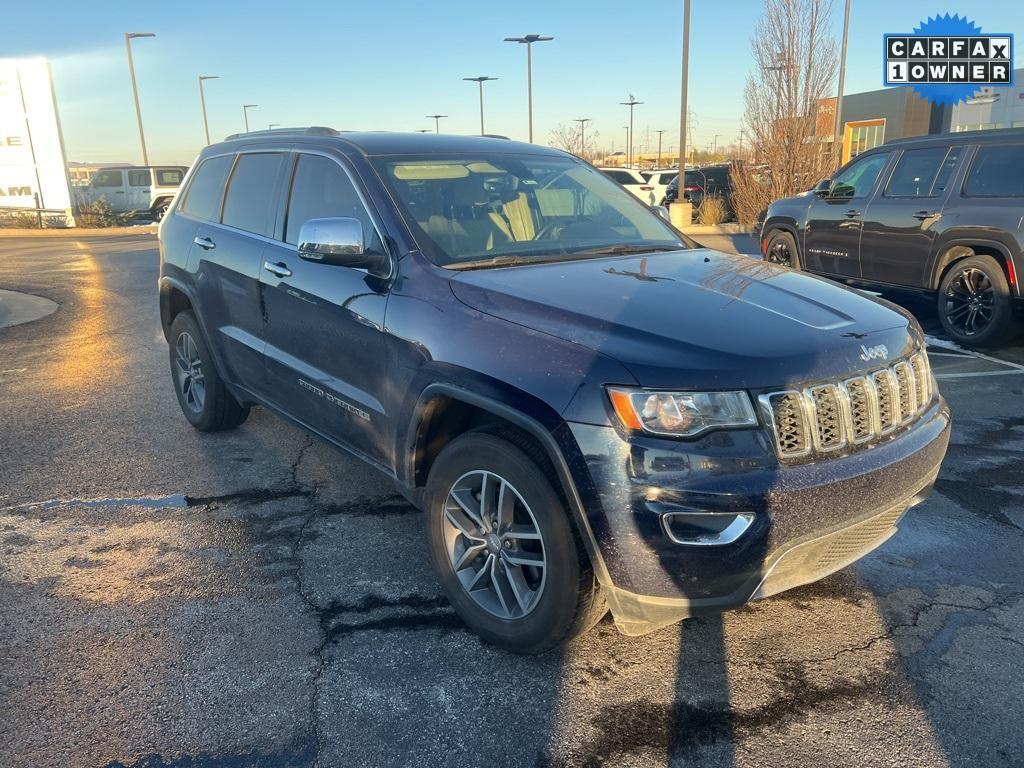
column 202, row 100
column 480, row 81
column 529, row 40
column 626, row 128
column 683, row 113
column 437, row 122
column 245, row 111
column 128, row 37
column 842, row 76
column 629, row 149
column 659, row 145
column 583, row 124
column 717, row 135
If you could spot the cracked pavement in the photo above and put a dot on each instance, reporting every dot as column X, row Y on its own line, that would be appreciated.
column 256, row 598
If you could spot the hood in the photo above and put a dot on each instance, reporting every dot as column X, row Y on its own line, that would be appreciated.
column 698, row 318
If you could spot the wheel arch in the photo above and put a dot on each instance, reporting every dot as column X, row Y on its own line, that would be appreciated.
column 779, row 224
column 175, row 298
column 958, row 248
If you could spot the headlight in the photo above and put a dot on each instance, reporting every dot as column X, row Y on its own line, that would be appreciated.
column 681, row 414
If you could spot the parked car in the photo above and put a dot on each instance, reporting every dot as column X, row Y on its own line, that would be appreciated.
column 592, row 411
column 632, row 180
column 701, row 182
column 145, row 190
column 935, row 214
column 659, row 181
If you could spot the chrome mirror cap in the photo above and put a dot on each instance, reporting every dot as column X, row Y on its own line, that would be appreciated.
column 335, row 240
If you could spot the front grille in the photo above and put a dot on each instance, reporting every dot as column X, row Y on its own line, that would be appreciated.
column 851, row 413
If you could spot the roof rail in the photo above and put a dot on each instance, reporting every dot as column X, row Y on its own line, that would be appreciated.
column 313, row 130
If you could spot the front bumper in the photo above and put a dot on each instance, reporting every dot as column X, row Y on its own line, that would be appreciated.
column 809, row 519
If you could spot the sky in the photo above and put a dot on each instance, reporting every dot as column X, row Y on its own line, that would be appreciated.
column 385, row 64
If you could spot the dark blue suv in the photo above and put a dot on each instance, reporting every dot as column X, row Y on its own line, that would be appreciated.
column 594, row 412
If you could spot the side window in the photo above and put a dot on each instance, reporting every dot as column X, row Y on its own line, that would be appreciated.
column 321, row 189
column 168, row 177
column 915, row 172
column 251, row 199
column 945, row 173
column 108, row 179
column 622, row 177
column 207, row 188
column 859, row 178
column 138, row 178
column 997, row 172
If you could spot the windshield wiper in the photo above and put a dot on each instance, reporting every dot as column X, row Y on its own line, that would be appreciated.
column 622, row 250
column 499, row 261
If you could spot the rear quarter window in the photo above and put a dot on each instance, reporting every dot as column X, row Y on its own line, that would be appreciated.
column 207, row 188
column 169, row 177
column 997, row 171
column 622, row 177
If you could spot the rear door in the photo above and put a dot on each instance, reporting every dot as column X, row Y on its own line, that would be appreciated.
column 832, row 234
column 225, row 257
column 324, row 323
column 899, row 229
column 137, row 196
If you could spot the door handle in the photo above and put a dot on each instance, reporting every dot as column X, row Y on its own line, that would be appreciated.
column 922, row 215
column 852, row 213
column 205, row 243
column 279, row 269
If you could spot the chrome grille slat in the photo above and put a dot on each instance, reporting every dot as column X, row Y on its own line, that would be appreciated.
column 856, row 412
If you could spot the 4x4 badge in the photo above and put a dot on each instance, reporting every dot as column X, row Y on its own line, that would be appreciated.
column 874, row 353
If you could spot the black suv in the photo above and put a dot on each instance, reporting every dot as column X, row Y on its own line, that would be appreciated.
column 592, row 411
column 938, row 214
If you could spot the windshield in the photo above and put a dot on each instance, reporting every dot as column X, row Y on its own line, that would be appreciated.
column 471, row 210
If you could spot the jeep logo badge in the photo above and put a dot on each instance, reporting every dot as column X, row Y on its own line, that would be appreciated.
column 879, row 352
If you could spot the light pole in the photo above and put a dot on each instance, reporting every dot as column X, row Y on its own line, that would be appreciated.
column 583, row 124
column 437, row 122
column 245, row 111
column 682, row 106
column 529, row 40
column 626, row 128
column 629, row 149
column 842, row 76
column 128, row 37
column 202, row 100
column 272, row 126
column 715, row 150
column 480, row 81
column 659, row 145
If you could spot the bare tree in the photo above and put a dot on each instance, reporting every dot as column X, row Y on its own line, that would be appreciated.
column 794, row 54
column 582, row 143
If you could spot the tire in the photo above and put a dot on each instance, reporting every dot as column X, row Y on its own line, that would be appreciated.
column 209, row 407
column 160, row 210
column 974, row 303
column 562, row 599
column 781, row 249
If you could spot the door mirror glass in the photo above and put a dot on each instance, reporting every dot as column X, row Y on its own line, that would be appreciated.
column 337, row 240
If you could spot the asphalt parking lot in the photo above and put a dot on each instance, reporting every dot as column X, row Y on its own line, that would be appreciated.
column 256, row 598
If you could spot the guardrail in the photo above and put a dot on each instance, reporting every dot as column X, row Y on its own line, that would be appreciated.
column 44, row 217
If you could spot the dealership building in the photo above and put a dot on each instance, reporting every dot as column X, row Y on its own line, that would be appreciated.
column 874, row 117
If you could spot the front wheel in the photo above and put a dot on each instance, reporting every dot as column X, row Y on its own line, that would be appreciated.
column 160, row 210
column 781, row 249
column 504, row 548
column 974, row 303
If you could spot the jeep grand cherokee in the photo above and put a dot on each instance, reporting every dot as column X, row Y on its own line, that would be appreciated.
column 593, row 412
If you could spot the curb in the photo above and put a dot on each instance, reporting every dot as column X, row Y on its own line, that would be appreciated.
column 146, row 229
column 718, row 229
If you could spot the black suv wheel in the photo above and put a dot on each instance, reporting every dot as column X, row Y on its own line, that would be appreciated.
column 504, row 547
column 205, row 401
column 781, row 249
column 974, row 302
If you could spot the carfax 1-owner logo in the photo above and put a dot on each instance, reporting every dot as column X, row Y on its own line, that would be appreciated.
column 948, row 59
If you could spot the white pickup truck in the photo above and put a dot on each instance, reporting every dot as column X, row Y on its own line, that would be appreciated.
column 145, row 190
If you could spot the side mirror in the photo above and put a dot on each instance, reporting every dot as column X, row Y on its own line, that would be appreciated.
column 337, row 241
column 662, row 211
column 823, row 187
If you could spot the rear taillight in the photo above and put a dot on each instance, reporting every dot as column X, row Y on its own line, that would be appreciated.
column 693, row 188
column 646, row 189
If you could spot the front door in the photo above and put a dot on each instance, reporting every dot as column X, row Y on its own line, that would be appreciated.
column 324, row 323
column 109, row 185
column 832, row 235
column 899, row 223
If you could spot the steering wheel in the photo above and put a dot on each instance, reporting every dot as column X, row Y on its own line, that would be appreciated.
column 548, row 230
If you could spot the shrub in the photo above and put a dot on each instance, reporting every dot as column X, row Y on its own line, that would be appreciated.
column 713, row 211
column 18, row 219
column 100, row 213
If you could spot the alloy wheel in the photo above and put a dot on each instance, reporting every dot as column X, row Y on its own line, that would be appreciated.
column 780, row 253
column 970, row 302
column 494, row 544
column 190, row 377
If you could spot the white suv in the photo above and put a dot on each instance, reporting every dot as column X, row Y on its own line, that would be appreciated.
column 659, row 180
column 146, row 190
column 633, row 181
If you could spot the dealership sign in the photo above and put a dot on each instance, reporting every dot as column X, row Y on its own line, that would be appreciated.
column 32, row 167
column 947, row 59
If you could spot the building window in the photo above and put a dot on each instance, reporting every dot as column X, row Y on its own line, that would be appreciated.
column 861, row 136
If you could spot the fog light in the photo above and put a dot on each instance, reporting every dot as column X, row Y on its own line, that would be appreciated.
column 706, row 529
